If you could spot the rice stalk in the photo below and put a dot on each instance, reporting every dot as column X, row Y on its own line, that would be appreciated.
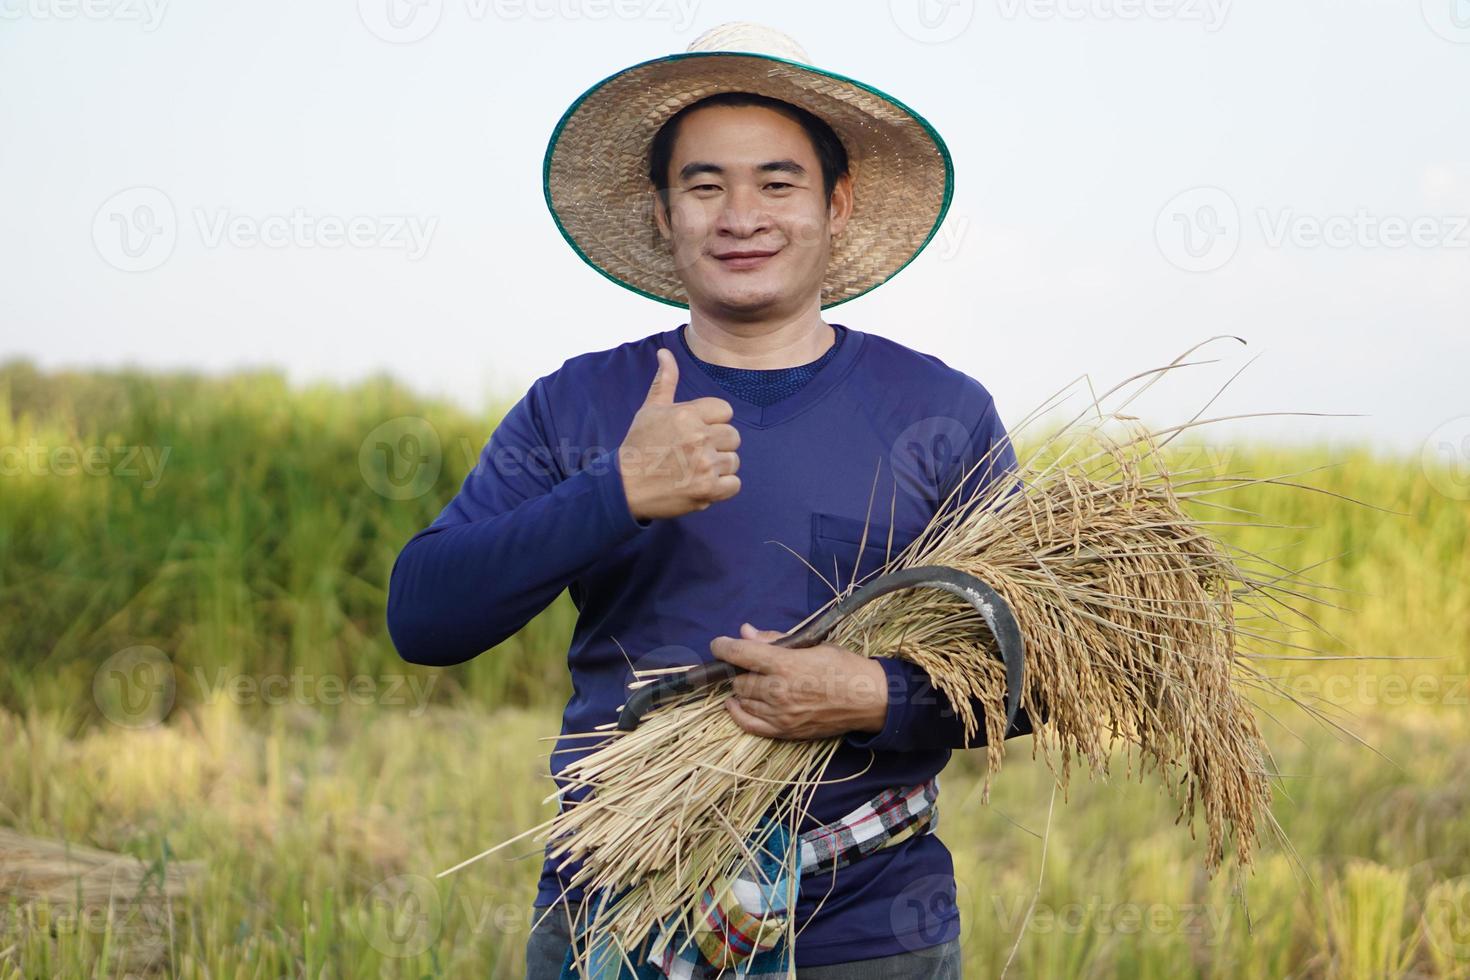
column 1131, row 609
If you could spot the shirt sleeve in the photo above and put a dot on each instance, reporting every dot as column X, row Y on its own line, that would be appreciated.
column 920, row 716
column 520, row 530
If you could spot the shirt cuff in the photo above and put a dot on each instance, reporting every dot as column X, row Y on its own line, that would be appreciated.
column 896, row 722
column 608, row 481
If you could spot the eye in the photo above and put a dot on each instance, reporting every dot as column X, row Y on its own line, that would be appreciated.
column 779, row 184
column 701, row 187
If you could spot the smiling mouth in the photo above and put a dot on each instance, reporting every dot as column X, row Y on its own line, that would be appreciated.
column 746, row 261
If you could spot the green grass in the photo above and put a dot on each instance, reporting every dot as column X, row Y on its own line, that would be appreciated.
column 261, row 551
column 263, row 545
column 319, row 832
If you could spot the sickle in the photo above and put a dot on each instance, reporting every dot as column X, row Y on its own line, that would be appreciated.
column 987, row 602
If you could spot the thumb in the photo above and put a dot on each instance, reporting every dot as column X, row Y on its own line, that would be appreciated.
column 749, row 632
column 661, row 392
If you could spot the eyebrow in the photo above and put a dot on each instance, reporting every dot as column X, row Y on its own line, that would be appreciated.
column 691, row 170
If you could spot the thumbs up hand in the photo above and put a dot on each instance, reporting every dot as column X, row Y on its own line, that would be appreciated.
column 678, row 456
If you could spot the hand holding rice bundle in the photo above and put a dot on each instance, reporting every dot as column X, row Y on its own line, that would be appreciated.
column 1129, row 612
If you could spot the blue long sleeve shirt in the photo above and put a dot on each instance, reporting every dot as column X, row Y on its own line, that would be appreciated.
column 544, row 510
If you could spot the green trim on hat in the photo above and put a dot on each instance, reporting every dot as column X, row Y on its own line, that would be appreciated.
column 566, row 116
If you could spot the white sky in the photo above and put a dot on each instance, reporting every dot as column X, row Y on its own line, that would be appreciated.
column 1073, row 124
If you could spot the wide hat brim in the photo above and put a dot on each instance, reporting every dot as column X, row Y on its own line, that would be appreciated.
column 595, row 174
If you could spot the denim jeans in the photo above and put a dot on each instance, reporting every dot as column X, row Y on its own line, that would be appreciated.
column 546, row 951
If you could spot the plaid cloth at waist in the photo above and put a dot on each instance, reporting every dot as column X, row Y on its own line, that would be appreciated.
column 742, row 929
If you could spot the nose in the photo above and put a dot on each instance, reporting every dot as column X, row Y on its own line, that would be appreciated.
column 744, row 215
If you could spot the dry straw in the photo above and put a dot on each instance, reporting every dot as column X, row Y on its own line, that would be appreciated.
column 1134, row 619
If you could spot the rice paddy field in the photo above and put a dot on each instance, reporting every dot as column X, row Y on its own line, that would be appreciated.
column 199, row 702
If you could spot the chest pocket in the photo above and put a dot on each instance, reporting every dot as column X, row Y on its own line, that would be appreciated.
column 834, row 553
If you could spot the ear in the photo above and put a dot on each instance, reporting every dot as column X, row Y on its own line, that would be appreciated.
column 660, row 216
column 841, row 208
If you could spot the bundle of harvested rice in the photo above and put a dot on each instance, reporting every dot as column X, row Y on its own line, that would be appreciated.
column 1130, row 611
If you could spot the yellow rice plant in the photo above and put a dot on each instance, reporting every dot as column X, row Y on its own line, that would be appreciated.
column 1368, row 931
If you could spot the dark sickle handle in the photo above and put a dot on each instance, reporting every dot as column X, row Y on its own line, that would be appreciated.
column 987, row 602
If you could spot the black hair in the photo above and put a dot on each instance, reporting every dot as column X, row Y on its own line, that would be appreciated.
column 829, row 149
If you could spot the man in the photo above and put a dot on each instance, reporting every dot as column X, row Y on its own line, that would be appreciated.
column 659, row 480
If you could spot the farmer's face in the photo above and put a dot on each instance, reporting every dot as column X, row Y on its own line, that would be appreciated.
column 747, row 179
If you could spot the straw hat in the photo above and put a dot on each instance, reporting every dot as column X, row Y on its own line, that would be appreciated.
column 596, row 167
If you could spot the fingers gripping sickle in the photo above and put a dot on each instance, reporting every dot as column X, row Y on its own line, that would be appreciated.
column 993, row 609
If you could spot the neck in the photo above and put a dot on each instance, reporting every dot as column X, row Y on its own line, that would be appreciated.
column 761, row 345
